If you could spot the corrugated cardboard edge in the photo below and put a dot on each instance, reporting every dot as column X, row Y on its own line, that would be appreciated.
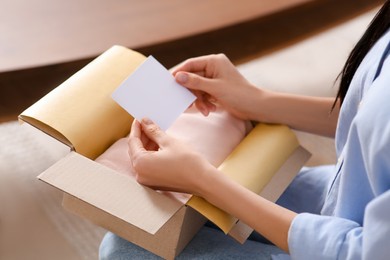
column 286, row 174
column 116, row 193
column 275, row 188
column 178, row 230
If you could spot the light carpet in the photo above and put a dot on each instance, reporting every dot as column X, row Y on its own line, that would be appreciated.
column 33, row 224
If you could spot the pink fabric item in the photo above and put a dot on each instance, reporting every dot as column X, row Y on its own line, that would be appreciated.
column 214, row 137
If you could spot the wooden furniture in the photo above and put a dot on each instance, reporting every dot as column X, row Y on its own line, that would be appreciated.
column 42, row 32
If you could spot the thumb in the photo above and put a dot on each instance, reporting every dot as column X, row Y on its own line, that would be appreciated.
column 154, row 132
column 193, row 81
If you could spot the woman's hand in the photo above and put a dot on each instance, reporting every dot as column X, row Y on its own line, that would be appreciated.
column 164, row 163
column 215, row 80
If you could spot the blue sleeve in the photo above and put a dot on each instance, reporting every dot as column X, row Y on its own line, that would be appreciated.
column 323, row 237
column 376, row 240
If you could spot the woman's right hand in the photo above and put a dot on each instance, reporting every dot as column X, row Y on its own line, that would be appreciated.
column 216, row 81
column 165, row 163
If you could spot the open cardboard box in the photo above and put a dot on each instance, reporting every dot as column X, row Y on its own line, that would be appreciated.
column 81, row 114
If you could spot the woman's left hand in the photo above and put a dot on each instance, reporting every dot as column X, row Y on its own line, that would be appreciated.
column 164, row 163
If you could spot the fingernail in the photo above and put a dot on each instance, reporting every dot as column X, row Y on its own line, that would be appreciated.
column 181, row 77
column 147, row 121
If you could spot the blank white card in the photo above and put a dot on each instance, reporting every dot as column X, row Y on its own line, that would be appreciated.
column 151, row 91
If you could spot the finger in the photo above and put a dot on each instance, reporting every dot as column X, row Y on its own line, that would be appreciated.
column 201, row 104
column 193, row 81
column 135, row 144
column 205, row 103
column 209, row 101
column 200, row 101
column 199, row 73
column 211, row 107
column 149, row 144
column 197, row 64
column 154, row 133
column 135, row 130
column 179, row 67
column 202, row 108
column 144, row 139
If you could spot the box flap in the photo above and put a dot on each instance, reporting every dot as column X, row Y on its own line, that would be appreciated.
column 275, row 188
column 112, row 192
column 80, row 112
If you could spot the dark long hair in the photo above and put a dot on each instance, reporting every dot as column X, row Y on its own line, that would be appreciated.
column 375, row 30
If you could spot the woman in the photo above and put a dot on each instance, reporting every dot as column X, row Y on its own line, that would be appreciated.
column 340, row 212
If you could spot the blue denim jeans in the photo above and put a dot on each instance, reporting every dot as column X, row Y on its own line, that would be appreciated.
column 305, row 194
column 209, row 243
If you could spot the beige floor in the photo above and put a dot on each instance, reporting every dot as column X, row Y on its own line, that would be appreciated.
column 32, row 223
column 34, row 226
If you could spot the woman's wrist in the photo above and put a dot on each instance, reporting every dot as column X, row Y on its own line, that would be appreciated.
column 305, row 113
column 258, row 104
column 204, row 181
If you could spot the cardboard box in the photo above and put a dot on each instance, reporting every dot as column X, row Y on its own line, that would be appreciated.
column 74, row 114
column 121, row 205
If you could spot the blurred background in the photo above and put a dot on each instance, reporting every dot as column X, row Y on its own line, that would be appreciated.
column 298, row 46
